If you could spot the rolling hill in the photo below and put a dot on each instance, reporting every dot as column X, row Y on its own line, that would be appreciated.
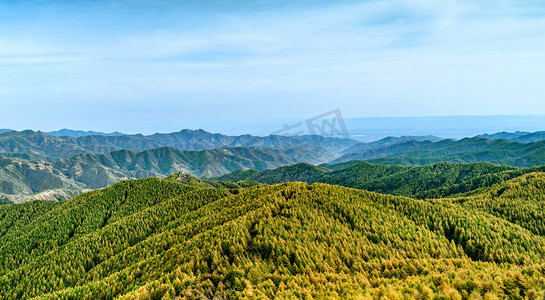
column 518, row 136
column 433, row 181
column 390, row 141
column 499, row 151
column 157, row 239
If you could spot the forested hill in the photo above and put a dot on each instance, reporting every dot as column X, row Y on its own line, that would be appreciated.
column 521, row 137
column 438, row 180
column 157, row 239
column 467, row 150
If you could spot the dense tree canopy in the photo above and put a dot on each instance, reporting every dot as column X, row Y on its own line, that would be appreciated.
column 435, row 181
column 162, row 239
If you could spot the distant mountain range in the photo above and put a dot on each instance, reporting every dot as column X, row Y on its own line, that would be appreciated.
column 390, row 141
column 476, row 149
column 22, row 179
column 39, row 165
column 519, row 136
column 453, row 127
column 39, row 145
column 73, row 133
column 79, row 133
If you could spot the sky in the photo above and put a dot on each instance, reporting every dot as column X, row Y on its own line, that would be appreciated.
column 226, row 66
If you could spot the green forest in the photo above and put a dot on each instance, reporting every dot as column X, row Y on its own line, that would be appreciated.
column 432, row 181
column 185, row 238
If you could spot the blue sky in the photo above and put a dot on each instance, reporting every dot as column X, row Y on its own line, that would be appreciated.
column 147, row 66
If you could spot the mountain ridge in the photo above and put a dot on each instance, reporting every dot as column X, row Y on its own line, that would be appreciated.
column 42, row 146
column 65, row 166
column 92, row 171
column 499, row 151
column 80, row 133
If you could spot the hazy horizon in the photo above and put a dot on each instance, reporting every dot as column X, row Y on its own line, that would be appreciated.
column 368, row 129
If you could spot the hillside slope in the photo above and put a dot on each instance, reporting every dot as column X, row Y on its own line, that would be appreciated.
column 153, row 239
column 467, row 150
column 438, row 180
